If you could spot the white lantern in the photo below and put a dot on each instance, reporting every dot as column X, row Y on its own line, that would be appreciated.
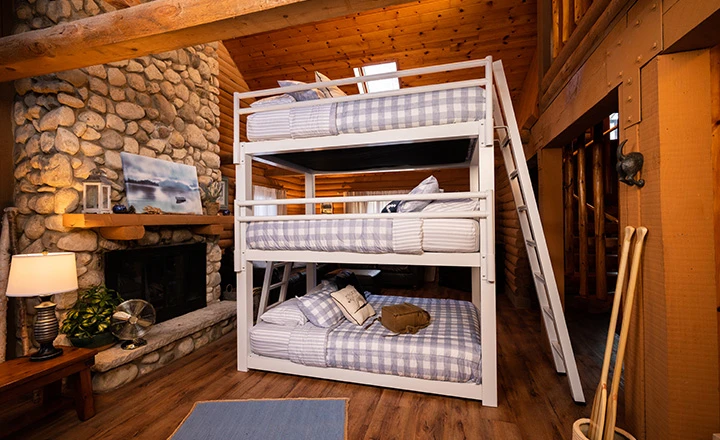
column 96, row 194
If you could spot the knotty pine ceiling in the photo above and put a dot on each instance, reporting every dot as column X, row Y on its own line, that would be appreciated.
column 417, row 34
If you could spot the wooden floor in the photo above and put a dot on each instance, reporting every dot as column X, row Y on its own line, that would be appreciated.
column 534, row 401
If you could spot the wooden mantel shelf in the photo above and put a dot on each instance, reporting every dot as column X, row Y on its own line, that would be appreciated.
column 132, row 226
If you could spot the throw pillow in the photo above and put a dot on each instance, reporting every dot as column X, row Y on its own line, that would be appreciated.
column 302, row 95
column 427, row 186
column 391, row 207
column 330, row 91
column 273, row 100
column 353, row 305
column 287, row 313
column 320, row 309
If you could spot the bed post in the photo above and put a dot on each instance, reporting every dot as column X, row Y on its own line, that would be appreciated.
column 310, row 268
column 488, row 313
column 243, row 192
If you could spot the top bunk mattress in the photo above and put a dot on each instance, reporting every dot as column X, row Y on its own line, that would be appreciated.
column 437, row 107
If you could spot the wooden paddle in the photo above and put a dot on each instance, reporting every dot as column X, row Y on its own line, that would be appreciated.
column 611, row 415
column 597, row 415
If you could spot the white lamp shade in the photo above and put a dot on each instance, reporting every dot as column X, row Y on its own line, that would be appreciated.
column 42, row 274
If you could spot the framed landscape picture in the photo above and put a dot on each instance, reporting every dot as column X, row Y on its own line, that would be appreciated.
column 170, row 186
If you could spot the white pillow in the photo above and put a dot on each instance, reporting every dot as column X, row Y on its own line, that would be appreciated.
column 273, row 100
column 456, row 205
column 330, row 91
column 287, row 313
column 427, row 186
column 302, row 95
column 353, row 305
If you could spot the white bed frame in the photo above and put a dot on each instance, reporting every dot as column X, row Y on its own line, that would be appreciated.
column 481, row 170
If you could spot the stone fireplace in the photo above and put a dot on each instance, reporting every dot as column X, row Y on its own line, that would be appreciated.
column 68, row 124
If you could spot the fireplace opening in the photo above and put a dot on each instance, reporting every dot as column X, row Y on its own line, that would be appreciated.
column 171, row 278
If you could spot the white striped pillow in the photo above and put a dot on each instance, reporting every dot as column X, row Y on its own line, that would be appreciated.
column 287, row 313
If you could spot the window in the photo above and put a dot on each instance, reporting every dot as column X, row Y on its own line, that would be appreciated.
column 380, row 85
column 369, row 207
column 614, row 120
column 265, row 193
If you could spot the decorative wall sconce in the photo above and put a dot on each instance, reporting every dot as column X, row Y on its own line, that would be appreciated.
column 628, row 165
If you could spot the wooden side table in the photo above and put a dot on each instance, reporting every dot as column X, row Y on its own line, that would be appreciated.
column 21, row 376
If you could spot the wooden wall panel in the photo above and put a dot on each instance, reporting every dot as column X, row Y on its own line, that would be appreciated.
column 672, row 371
column 715, row 96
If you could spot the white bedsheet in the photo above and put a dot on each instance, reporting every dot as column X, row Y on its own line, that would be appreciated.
column 450, row 235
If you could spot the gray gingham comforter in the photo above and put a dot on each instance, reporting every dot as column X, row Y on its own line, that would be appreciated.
column 448, row 349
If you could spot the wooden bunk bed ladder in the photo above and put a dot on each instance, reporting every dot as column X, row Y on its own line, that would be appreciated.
column 526, row 205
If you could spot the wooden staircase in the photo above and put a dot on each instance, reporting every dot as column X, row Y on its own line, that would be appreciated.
column 591, row 218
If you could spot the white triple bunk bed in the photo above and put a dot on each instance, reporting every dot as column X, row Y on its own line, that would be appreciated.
column 478, row 135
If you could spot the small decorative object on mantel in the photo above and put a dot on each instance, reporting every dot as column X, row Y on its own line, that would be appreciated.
column 152, row 210
column 122, row 209
column 628, row 165
column 211, row 194
column 96, row 193
column 225, row 212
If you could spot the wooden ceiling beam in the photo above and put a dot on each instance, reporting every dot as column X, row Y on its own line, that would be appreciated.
column 156, row 27
column 122, row 4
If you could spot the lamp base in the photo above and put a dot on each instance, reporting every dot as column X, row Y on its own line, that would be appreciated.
column 47, row 351
column 46, row 330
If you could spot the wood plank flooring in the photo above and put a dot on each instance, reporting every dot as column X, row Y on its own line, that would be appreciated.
column 534, row 401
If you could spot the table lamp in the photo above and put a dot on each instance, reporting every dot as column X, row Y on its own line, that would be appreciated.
column 43, row 275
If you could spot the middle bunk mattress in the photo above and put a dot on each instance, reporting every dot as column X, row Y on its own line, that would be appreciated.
column 447, row 350
column 370, row 236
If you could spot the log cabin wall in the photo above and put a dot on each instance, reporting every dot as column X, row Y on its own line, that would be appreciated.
column 642, row 56
column 7, row 93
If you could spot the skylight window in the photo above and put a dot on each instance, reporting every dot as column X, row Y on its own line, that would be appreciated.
column 380, row 85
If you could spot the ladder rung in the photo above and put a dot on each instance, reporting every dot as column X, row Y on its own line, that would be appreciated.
column 513, row 174
column 276, row 285
column 539, row 277
column 522, row 208
column 549, row 313
column 556, row 347
column 531, row 243
column 505, row 142
column 275, row 265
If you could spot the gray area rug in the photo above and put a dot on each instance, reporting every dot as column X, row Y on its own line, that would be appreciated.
column 287, row 419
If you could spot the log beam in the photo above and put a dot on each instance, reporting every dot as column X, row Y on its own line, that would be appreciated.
column 156, row 27
column 582, row 218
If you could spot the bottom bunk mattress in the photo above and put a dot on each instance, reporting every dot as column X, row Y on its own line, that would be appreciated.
column 370, row 236
column 448, row 349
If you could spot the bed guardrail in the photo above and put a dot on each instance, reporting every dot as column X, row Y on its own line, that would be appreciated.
column 485, row 62
column 483, row 215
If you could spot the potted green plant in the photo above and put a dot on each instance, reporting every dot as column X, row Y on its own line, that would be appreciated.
column 87, row 324
column 210, row 195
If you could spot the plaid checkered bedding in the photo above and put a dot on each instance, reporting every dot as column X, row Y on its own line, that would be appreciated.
column 413, row 110
column 448, row 349
column 370, row 236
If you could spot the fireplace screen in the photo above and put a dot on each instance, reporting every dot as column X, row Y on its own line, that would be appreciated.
column 171, row 278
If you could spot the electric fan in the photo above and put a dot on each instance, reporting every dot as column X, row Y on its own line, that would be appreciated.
column 130, row 321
